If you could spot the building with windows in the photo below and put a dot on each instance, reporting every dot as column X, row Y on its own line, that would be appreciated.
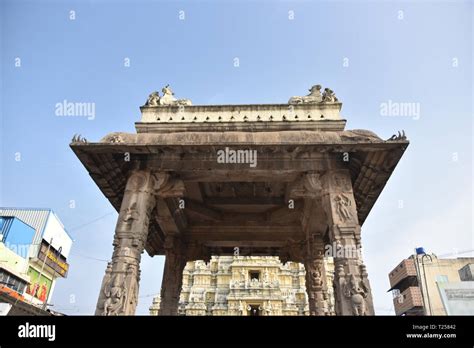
column 13, row 278
column 245, row 285
column 34, row 247
column 424, row 284
column 15, row 243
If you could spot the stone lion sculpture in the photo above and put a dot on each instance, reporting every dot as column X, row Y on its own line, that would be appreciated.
column 315, row 96
column 168, row 98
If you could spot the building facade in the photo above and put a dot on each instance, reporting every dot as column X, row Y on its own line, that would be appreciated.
column 15, row 244
column 245, row 285
column 426, row 285
column 35, row 241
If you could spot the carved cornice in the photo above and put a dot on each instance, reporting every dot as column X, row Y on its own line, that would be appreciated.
column 256, row 113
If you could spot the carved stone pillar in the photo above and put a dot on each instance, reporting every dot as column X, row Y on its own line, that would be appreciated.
column 313, row 224
column 172, row 277
column 351, row 286
column 119, row 290
column 316, row 286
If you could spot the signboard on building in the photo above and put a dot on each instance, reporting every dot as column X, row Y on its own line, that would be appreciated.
column 457, row 297
column 55, row 234
column 54, row 259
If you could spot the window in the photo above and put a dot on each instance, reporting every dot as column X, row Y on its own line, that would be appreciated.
column 395, row 293
column 254, row 275
column 441, row 278
column 21, row 288
column 10, row 281
column 13, row 283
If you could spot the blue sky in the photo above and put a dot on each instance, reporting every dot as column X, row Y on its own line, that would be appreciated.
column 400, row 51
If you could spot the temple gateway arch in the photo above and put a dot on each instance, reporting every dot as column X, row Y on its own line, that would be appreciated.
column 284, row 180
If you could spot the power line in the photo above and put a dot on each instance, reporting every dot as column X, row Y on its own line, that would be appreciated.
column 89, row 257
column 91, row 222
column 456, row 253
column 149, row 295
column 87, row 224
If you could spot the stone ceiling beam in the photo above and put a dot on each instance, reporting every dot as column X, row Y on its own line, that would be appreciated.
column 239, row 201
column 166, row 218
column 254, row 175
column 202, row 211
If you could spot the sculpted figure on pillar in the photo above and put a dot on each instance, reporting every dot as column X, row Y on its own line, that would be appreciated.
column 309, row 188
column 356, row 291
column 132, row 279
column 343, row 207
column 351, row 286
column 119, row 289
column 316, row 277
column 130, row 215
column 339, row 283
column 315, row 274
column 114, row 292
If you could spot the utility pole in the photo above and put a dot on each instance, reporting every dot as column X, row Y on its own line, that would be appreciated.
column 420, row 282
column 423, row 287
column 54, row 275
column 42, row 266
column 424, row 277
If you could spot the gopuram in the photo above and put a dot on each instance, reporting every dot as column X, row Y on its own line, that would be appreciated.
column 282, row 180
column 246, row 285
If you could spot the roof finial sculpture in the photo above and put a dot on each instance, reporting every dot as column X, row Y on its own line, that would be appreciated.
column 400, row 136
column 315, row 96
column 168, row 98
column 329, row 96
